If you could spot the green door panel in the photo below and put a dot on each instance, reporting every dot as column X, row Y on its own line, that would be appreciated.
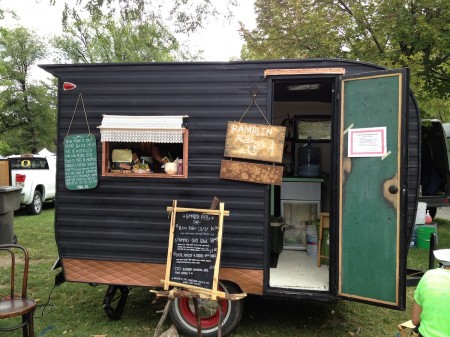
column 369, row 221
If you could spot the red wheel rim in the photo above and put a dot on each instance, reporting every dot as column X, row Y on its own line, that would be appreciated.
column 206, row 322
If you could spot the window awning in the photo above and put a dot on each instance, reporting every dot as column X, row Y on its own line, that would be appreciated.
column 156, row 129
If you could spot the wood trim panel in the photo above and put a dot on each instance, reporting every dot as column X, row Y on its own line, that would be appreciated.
column 303, row 71
column 5, row 178
column 148, row 274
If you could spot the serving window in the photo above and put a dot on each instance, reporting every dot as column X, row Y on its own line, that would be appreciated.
column 144, row 146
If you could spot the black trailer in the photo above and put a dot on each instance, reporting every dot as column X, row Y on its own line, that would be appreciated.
column 361, row 116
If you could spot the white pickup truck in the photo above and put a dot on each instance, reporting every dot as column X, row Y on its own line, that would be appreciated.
column 36, row 175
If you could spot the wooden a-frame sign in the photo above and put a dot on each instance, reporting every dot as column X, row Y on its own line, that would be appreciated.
column 193, row 255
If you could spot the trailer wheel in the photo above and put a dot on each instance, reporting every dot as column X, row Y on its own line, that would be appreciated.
column 110, row 299
column 182, row 314
column 35, row 208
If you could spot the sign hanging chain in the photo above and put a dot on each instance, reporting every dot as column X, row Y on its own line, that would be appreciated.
column 254, row 91
column 80, row 96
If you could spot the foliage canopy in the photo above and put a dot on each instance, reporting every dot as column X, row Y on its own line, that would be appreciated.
column 27, row 119
column 93, row 31
column 393, row 33
column 131, row 31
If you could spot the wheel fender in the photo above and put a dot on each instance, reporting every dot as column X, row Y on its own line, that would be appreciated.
column 41, row 189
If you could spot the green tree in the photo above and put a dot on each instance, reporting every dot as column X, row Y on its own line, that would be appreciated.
column 290, row 29
column 27, row 119
column 182, row 15
column 393, row 33
column 130, row 31
column 107, row 38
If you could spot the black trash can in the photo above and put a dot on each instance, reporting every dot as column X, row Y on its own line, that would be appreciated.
column 276, row 234
column 9, row 202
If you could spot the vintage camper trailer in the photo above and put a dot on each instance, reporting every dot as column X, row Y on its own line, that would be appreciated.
column 358, row 122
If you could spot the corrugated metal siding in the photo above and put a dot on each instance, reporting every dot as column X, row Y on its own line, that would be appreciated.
column 414, row 146
column 125, row 219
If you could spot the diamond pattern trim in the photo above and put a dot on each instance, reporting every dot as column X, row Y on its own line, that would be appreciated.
column 148, row 274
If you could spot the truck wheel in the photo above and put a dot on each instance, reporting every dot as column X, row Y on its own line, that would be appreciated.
column 35, row 207
column 182, row 314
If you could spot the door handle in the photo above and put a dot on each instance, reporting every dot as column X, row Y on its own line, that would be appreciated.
column 393, row 189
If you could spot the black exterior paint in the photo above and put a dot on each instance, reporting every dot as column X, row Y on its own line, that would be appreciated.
column 125, row 219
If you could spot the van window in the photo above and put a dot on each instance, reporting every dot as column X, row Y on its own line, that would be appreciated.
column 29, row 163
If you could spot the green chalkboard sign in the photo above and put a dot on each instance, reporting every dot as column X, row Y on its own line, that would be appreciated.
column 80, row 162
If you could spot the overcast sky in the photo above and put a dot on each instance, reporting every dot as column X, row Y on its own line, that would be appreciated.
column 220, row 40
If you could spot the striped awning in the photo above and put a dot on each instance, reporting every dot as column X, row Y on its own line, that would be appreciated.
column 156, row 129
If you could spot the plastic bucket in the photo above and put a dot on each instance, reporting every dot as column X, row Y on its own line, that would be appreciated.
column 423, row 235
column 311, row 240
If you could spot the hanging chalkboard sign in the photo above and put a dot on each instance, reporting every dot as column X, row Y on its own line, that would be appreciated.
column 80, row 162
column 195, row 240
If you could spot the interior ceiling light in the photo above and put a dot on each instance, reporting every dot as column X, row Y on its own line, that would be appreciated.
column 299, row 87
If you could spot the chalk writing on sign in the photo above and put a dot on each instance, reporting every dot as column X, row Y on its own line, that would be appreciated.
column 255, row 141
column 195, row 246
column 80, row 162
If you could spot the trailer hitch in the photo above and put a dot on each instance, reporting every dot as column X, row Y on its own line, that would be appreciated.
column 115, row 314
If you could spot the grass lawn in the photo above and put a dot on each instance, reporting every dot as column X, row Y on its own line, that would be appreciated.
column 75, row 309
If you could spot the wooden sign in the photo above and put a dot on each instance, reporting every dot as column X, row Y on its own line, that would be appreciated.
column 255, row 141
column 193, row 257
column 80, row 162
column 5, row 179
column 251, row 172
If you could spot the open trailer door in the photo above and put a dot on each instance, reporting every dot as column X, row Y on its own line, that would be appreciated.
column 372, row 188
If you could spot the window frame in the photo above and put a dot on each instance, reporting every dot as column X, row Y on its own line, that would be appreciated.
column 17, row 163
column 106, row 158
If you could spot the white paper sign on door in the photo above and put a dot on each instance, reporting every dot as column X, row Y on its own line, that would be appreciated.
column 367, row 142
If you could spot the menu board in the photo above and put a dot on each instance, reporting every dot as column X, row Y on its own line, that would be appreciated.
column 195, row 240
column 80, row 162
column 194, row 251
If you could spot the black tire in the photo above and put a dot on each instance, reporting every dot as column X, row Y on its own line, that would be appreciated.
column 35, row 208
column 182, row 314
column 432, row 211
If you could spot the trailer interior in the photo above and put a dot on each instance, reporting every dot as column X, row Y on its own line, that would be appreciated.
column 304, row 106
